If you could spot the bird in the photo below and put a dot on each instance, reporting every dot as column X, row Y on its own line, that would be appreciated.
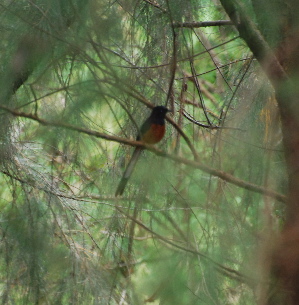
column 152, row 131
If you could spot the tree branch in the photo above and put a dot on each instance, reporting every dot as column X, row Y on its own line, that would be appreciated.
column 202, row 24
column 193, row 164
column 255, row 41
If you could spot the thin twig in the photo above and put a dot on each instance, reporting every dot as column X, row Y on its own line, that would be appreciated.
column 156, row 5
column 191, row 119
column 225, row 270
column 199, row 92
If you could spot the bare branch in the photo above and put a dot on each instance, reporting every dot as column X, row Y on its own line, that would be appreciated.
column 202, row 24
column 194, row 164
column 255, row 41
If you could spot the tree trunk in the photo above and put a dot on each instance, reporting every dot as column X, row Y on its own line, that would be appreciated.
column 278, row 55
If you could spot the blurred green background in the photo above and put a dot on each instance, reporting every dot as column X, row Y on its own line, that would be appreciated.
column 180, row 234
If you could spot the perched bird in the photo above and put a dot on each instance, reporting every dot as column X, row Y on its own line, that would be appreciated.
column 152, row 131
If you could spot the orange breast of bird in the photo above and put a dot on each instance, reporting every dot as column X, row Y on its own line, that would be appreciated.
column 154, row 134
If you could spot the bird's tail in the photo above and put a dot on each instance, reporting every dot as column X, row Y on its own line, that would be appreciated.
column 127, row 174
